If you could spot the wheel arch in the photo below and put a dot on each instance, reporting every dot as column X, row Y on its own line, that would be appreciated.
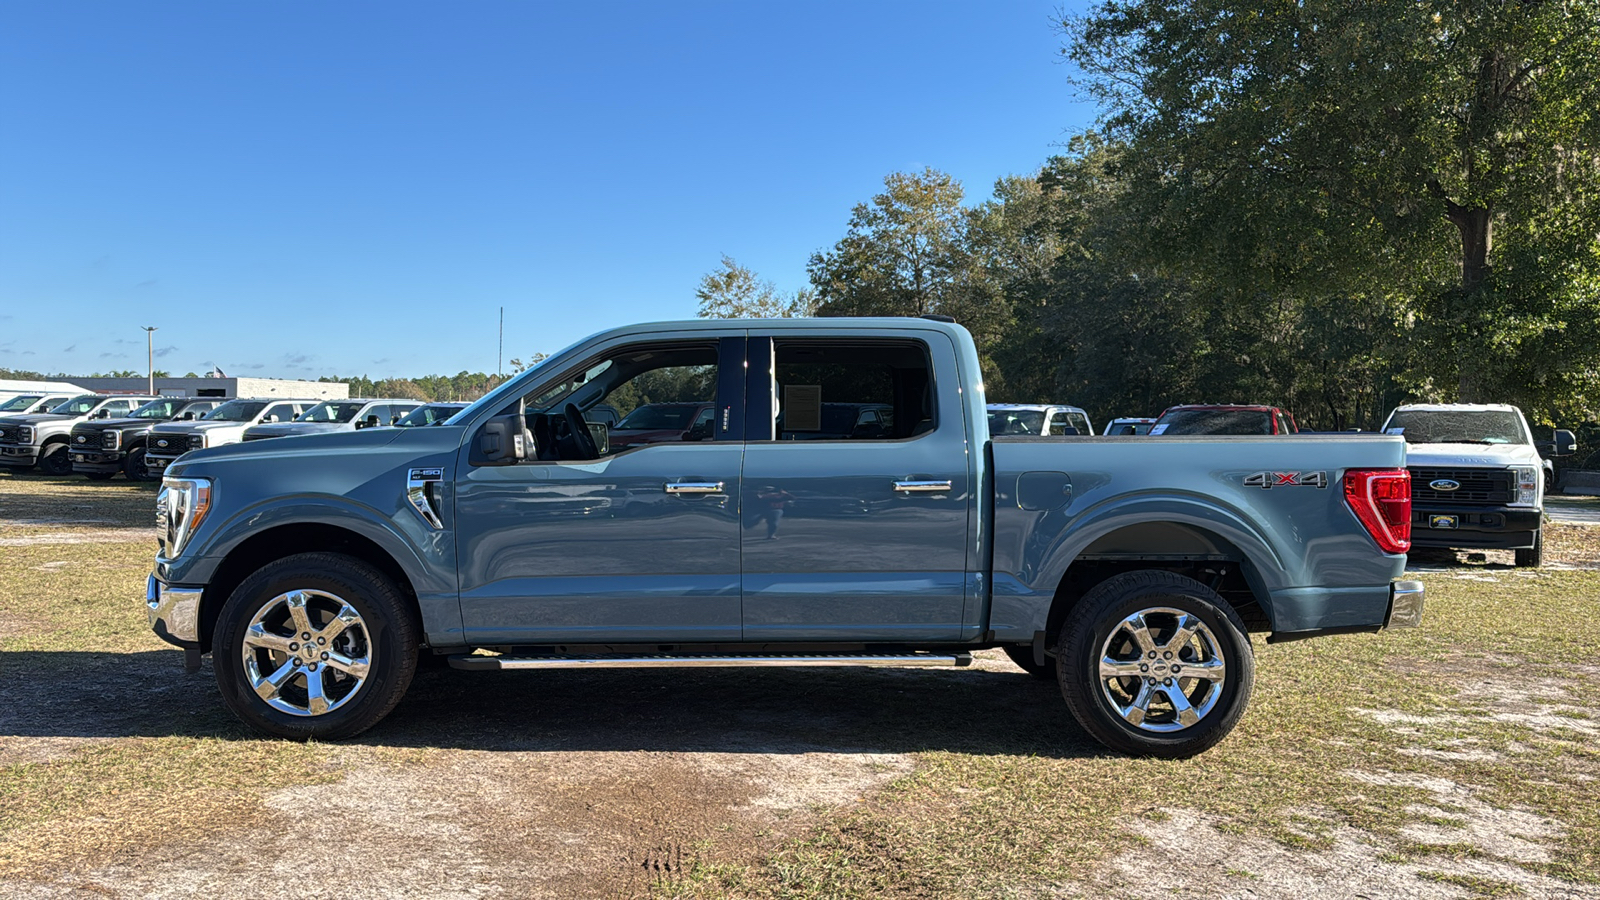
column 1183, row 548
column 288, row 539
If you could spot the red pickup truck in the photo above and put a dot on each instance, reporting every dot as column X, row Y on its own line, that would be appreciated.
column 1224, row 418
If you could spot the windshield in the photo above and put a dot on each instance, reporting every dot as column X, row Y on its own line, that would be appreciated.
column 164, row 408
column 237, row 411
column 1016, row 421
column 659, row 415
column 23, row 402
column 1214, row 421
column 1458, row 426
column 77, row 406
column 427, row 415
column 332, row 411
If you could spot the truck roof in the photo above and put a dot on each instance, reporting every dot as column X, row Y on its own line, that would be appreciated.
column 1458, row 407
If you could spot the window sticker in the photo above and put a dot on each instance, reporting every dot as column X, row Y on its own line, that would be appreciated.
column 802, row 407
column 1395, row 431
column 1159, row 429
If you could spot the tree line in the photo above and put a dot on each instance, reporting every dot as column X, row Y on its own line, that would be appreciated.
column 1333, row 207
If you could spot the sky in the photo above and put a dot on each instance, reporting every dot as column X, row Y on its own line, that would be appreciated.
column 297, row 189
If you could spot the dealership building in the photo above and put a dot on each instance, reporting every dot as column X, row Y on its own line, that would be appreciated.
column 221, row 387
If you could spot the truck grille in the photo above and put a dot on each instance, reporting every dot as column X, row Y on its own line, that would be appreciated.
column 80, row 439
column 8, row 434
column 162, row 443
column 197, row 441
column 1477, row 485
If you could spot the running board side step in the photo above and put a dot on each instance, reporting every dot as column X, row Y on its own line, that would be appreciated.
column 487, row 663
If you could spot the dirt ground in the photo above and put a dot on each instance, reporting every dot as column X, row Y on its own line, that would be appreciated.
column 129, row 779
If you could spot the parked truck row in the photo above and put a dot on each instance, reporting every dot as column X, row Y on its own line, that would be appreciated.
column 101, row 435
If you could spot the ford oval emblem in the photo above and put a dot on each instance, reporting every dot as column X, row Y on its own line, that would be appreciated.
column 1445, row 484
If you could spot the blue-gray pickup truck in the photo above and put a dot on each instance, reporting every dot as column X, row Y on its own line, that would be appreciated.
column 319, row 571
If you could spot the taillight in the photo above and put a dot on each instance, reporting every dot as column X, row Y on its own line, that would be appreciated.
column 1381, row 499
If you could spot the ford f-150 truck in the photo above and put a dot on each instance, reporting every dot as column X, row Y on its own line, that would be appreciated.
column 316, row 571
column 1477, row 479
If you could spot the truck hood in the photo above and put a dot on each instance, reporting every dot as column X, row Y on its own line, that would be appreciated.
column 193, row 426
column 40, row 418
column 1469, row 455
column 290, row 429
column 328, row 443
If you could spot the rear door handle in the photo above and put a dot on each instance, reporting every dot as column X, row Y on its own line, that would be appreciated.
column 922, row 487
column 693, row 487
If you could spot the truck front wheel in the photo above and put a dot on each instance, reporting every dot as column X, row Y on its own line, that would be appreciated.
column 315, row 645
column 54, row 459
column 1532, row 557
column 1155, row 664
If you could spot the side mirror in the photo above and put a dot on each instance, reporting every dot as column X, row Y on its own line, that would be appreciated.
column 499, row 443
column 103, row 414
column 369, row 422
column 1566, row 443
column 188, row 416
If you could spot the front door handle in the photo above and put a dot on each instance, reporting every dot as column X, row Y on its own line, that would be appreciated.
column 693, row 487
column 923, row 487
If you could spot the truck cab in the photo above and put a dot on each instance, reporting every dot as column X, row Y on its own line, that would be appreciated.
column 1477, row 477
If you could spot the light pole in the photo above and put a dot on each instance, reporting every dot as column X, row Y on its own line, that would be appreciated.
column 150, row 350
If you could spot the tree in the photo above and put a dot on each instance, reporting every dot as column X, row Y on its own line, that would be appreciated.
column 518, row 365
column 901, row 253
column 1438, row 160
column 734, row 292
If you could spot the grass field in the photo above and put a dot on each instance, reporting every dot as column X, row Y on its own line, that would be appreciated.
column 1460, row 759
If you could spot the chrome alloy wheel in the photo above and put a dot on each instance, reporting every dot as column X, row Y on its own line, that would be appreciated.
column 1162, row 669
column 306, row 653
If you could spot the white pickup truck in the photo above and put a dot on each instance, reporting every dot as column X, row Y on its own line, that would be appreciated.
column 1477, row 477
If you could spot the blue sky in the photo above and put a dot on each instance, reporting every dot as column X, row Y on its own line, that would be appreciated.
column 295, row 189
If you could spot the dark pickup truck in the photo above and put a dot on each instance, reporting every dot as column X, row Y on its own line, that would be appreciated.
column 317, row 571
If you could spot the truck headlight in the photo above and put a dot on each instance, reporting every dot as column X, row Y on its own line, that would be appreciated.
column 110, row 439
column 1525, row 485
column 181, row 506
column 25, row 434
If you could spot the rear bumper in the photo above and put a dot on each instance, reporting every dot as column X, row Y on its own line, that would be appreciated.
column 1474, row 527
column 1318, row 612
column 1405, row 605
column 174, row 612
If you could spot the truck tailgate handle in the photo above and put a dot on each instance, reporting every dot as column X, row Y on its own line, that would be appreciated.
column 693, row 487
column 922, row 487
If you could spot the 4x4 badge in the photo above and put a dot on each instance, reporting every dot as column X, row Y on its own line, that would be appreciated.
column 1269, row 480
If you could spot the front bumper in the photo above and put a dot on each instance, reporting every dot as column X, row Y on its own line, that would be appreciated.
column 157, row 463
column 97, row 460
column 174, row 612
column 1405, row 605
column 1474, row 527
column 23, row 455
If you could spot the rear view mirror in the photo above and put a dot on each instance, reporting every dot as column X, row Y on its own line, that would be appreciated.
column 499, row 443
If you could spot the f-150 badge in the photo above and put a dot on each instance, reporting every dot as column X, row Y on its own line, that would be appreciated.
column 1269, row 480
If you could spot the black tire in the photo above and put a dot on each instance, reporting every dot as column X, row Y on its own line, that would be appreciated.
column 389, row 634
column 53, row 460
column 98, row 476
column 1532, row 557
column 1088, row 634
column 1023, row 657
column 133, row 466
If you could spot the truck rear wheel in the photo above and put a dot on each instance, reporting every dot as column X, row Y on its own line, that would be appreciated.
column 315, row 645
column 1533, row 557
column 1155, row 664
